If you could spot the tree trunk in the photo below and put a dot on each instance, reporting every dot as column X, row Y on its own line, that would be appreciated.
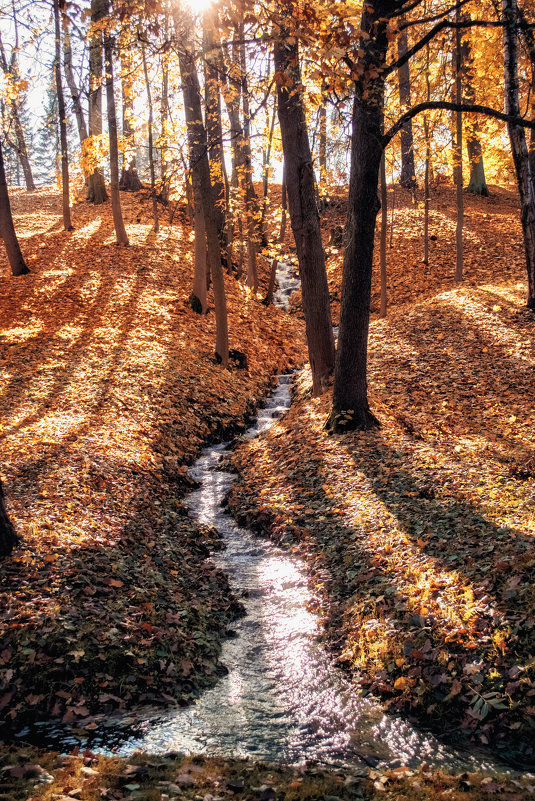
column 22, row 150
column 96, row 187
column 350, row 409
column 266, row 164
column 8, row 537
column 408, row 175
column 120, row 230
column 199, row 301
column 384, row 222
column 478, row 183
column 130, row 181
column 304, row 215
column 458, row 157
column 519, row 147
column 151, row 144
column 164, row 113
column 426, row 189
column 198, row 147
column 254, row 232
column 7, row 229
column 284, row 204
column 322, row 154
column 214, row 127
column 69, row 77
column 66, row 203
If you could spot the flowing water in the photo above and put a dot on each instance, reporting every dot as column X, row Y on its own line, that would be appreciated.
column 283, row 699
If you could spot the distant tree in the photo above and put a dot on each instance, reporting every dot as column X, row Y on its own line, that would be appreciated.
column 67, row 224
column 130, row 180
column 11, row 74
column 118, row 222
column 96, row 187
column 7, row 228
column 407, row 177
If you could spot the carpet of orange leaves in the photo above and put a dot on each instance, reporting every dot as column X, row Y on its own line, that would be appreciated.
column 108, row 391
column 420, row 536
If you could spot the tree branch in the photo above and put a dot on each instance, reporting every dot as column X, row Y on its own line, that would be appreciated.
column 469, row 108
column 431, row 35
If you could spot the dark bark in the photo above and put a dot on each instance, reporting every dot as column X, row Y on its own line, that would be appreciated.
column 519, row 147
column 350, row 409
column 384, row 221
column 96, row 187
column 408, row 175
column 118, row 222
column 7, row 229
column 198, row 151
column 8, row 537
column 304, row 215
column 214, row 127
column 66, row 204
column 458, row 157
column 284, row 204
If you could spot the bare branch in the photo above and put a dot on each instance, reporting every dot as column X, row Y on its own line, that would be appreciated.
column 469, row 108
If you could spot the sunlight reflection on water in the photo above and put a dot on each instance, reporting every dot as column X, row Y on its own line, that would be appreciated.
column 283, row 698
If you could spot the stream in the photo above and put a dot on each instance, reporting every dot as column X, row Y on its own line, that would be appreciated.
column 283, row 699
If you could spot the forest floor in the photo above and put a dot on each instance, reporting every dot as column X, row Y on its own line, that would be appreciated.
column 109, row 389
column 417, row 537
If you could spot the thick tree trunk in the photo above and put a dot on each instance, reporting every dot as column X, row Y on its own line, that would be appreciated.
column 408, row 175
column 458, row 152
column 69, row 77
column 118, row 222
column 7, row 229
column 199, row 300
column 214, row 126
column 129, row 181
column 96, row 187
column 304, row 215
column 519, row 147
column 350, row 409
column 151, row 144
column 200, row 167
column 8, row 537
column 66, row 203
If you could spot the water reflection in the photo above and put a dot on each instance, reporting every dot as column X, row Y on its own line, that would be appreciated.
column 283, row 699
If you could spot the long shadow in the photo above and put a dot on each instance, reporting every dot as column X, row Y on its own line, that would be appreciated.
column 478, row 367
column 87, row 315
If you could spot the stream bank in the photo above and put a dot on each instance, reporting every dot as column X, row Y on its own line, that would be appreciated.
column 418, row 538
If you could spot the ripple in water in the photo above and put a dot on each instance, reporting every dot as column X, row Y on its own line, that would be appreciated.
column 283, row 698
